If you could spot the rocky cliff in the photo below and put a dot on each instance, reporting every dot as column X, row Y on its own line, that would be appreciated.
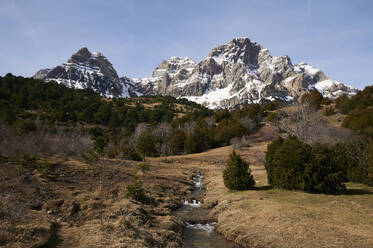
column 239, row 72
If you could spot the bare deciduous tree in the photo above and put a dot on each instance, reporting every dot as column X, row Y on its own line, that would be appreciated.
column 308, row 125
column 44, row 141
column 163, row 130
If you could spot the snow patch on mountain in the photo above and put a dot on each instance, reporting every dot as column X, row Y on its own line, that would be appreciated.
column 239, row 72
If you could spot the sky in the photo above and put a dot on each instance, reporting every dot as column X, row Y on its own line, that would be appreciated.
column 335, row 36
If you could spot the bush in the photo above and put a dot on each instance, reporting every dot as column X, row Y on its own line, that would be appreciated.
column 237, row 174
column 135, row 190
column 350, row 157
column 90, row 156
column 285, row 162
column 294, row 165
column 129, row 153
column 144, row 166
column 46, row 168
column 360, row 120
column 343, row 104
column 321, row 175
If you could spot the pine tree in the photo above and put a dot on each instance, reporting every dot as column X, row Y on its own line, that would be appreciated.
column 237, row 174
column 145, row 144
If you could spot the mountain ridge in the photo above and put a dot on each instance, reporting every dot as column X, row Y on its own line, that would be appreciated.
column 235, row 73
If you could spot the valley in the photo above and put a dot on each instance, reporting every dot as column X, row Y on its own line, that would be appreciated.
column 83, row 205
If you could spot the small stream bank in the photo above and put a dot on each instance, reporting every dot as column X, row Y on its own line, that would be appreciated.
column 199, row 227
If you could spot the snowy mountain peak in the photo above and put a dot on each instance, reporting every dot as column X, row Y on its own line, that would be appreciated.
column 86, row 70
column 238, row 72
column 238, row 50
column 173, row 66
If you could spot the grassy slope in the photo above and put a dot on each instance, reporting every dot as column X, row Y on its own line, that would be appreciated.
column 265, row 217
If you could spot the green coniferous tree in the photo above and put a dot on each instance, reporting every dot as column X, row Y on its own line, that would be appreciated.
column 145, row 144
column 237, row 174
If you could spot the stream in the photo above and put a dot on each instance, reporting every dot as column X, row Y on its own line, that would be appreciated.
column 199, row 228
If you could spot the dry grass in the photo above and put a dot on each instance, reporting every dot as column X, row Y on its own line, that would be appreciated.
column 266, row 217
column 89, row 206
column 262, row 217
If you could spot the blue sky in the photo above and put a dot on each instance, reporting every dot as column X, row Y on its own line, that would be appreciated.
column 335, row 35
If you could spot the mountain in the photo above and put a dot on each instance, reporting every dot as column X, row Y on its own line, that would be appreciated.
column 235, row 73
column 87, row 70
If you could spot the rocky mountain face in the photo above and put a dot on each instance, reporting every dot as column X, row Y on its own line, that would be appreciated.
column 87, row 70
column 236, row 73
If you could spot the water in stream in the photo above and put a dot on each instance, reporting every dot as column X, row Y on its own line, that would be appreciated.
column 199, row 229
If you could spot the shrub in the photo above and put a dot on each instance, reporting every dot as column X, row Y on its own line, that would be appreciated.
column 294, row 165
column 237, row 174
column 100, row 143
column 321, row 175
column 46, row 168
column 343, row 104
column 144, row 166
column 130, row 154
column 360, row 120
column 285, row 162
column 228, row 129
column 90, row 156
column 350, row 157
column 135, row 190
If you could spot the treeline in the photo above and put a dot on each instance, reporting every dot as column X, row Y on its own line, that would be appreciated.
column 172, row 126
column 55, row 103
